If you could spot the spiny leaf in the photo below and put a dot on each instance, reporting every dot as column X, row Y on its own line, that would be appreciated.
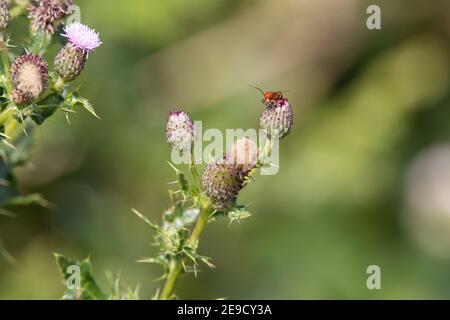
column 46, row 108
column 6, row 255
column 152, row 225
column 89, row 289
column 32, row 199
column 238, row 214
column 86, row 105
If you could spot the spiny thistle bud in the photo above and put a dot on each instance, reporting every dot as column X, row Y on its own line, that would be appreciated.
column 180, row 131
column 71, row 59
column 45, row 13
column 278, row 118
column 29, row 75
column 222, row 183
column 243, row 155
column 5, row 16
column 20, row 98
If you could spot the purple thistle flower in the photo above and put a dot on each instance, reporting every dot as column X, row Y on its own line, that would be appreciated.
column 71, row 59
column 82, row 37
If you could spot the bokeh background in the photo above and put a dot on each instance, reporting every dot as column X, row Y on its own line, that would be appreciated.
column 364, row 177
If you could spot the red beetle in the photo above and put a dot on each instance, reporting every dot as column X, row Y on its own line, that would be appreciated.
column 270, row 97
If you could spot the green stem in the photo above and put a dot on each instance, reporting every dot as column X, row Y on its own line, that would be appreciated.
column 12, row 128
column 5, row 61
column 4, row 116
column 267, row 149
column 59, row 84
column 176, row 265
column 195, row 175
column 202, row 221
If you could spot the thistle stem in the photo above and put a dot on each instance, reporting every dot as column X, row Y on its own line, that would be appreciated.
column 4, row 116
column 5, row 61
column 267, row 149
column 175, row 271
column 200, row 226
column 59, row 84
column 194, row 173
column 12, row 128
column 176, row 265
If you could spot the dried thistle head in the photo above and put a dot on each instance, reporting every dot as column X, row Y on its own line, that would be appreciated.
column 44, row 14
column 29, row 75
column 278, row 118
column 5, row 16
column 180, row 131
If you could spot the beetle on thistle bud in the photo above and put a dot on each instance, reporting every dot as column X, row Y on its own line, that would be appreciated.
column 277, row 118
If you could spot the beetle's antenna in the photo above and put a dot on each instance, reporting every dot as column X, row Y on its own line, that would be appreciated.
column 259, row 89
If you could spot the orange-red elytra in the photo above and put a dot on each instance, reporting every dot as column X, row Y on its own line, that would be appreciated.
column 270, row 96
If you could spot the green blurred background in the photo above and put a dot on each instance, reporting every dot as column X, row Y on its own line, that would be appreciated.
column 364, row 177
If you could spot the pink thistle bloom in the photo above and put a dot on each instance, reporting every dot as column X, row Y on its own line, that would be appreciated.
column 82, row 37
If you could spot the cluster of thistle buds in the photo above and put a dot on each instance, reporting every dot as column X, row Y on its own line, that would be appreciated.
column 30, row 80
column 223, row 179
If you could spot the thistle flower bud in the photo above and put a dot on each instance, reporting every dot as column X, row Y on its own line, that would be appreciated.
column 5, row 16
column 222, row 183
column 29, row 75
column 45, row 13
column 20, row 98
column 180, row 131
column 243, row 155
column 69, row 62
column 278, row 118
column 71, row 59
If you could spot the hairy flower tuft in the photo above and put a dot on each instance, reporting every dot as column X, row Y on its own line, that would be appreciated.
column 45, row 13
column 222, row 183
column 5, row 16
column 180, row 131
column 82, row 37
column 29, row 75
column 244, row 155
column 278, row 118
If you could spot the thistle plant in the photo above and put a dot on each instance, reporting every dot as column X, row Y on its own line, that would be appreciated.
column 34, row 85
column 201, row 199
column 198, row 200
